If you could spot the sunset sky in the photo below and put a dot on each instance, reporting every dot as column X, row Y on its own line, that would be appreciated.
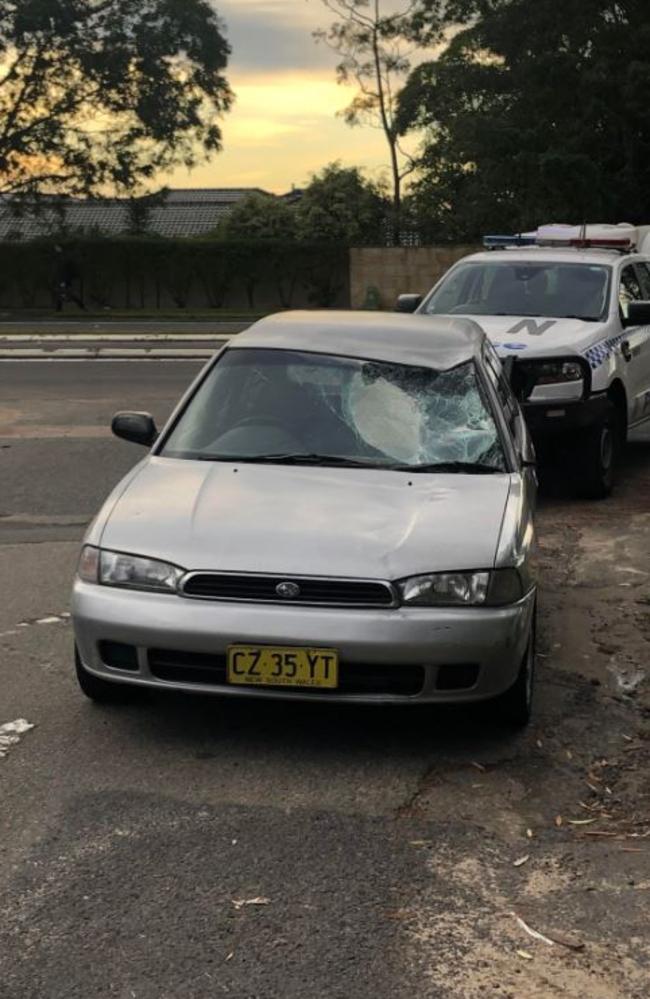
column 283, row 126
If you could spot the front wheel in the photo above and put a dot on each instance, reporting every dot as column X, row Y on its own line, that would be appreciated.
column 598, row 456
column 513, row 709
column 104, row 691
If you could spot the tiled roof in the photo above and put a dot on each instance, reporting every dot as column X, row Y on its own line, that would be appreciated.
column 190, row 212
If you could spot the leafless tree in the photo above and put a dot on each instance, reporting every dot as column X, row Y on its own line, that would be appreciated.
column 374, row 54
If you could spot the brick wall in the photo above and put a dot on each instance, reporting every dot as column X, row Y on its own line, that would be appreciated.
column 396, row 270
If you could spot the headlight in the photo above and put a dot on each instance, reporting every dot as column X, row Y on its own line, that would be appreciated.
column 446, row 589
column 541, row 381
column 555, row 372
column 463, row 589
column 130, row 571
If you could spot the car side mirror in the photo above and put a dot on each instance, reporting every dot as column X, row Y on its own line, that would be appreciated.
column 408, row 303
column 638, row 314
column 139, row 428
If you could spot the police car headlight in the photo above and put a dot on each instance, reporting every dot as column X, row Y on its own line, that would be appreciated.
column 562, row 380
column 552, row 373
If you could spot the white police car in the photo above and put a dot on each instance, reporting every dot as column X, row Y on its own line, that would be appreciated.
column 572, row 306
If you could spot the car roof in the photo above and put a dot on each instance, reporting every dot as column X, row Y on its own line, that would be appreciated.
column 438, row 342
column 552, row 254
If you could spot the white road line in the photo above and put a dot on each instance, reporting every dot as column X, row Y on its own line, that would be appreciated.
column 90, row 354
column 91, row 337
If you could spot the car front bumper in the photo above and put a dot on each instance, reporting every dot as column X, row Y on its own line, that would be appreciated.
column 548, row 419
column 492, row 639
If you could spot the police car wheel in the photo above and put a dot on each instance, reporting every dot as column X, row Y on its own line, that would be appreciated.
column 598, row 457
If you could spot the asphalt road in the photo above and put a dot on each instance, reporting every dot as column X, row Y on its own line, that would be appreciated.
column 391, row 850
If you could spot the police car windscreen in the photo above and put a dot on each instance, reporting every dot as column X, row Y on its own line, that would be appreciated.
column 519, row 288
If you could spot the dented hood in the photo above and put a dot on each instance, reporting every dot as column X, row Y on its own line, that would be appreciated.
column 366, row 523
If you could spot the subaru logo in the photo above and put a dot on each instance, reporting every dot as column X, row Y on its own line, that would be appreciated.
column 288, row 591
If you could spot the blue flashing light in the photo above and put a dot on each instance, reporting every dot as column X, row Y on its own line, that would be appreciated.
column 501, row 242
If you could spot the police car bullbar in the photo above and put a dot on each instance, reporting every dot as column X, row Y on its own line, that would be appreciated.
column 568, row 310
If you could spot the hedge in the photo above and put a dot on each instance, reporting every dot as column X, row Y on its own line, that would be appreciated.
column 146, row 272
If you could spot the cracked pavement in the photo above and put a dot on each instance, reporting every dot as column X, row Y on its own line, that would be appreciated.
column 403, row 853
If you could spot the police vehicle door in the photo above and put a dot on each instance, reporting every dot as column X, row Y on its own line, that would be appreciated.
column 635, row 346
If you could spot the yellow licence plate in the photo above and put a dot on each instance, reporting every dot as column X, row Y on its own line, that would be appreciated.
column 279, row 666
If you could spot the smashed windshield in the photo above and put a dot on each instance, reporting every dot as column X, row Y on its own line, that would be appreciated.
column 266, row 404
column 521, row 288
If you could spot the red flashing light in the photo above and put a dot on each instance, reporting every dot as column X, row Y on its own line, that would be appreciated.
column 586, row 244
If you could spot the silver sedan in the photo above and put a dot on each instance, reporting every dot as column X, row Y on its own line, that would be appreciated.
column 340, row 508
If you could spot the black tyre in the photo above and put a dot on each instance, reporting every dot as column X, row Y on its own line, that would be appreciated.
column 513, row 709
column 104, row 691
column 598, row 456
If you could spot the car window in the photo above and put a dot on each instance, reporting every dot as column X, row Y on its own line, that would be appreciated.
column 629, row 289
column 277, row 402
column 523, row 288
column 643, row 270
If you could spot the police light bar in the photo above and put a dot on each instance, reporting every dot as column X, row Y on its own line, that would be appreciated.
column 586, row 244
column 598, row 236
column 501, row 242
column 620, row 237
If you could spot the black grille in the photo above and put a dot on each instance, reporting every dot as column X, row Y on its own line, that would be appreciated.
column 345, row 592
column 354, row 678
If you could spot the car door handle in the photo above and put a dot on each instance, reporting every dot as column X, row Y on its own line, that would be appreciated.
column 626, row 350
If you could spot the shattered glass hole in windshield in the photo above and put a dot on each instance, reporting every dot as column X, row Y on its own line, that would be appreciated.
column 411, row 415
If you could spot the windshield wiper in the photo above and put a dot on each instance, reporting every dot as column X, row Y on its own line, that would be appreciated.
column 297, row 458
column 584, row 319
column 459, row 467
column 340, row 461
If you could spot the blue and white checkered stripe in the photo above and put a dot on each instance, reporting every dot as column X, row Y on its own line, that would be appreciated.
column 600, row 352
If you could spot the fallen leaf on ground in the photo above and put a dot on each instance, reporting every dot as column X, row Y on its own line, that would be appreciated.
column 230, row 956
column 535, row 934
column 530, row 833
column 479, row 766
column 239, row 903
column 11, row 732
column 558, row 820
column 521, row 861
column 581, row 822
column 525, row 955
